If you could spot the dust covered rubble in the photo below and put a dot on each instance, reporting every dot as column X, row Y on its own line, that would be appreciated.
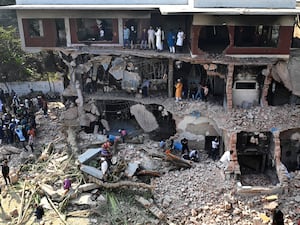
column 253, row 119
column 201, row 195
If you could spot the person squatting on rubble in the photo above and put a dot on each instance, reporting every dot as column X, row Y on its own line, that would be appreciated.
column 194, row 156
column 39, row 211
column 185, row 146
column 5, row 172
column 67, row 185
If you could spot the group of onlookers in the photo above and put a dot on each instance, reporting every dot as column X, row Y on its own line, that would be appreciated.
column 17, row 119
column 153, row 39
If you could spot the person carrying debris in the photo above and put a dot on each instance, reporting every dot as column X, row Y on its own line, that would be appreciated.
column 5, row 172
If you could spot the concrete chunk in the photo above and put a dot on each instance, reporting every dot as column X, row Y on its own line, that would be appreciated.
column 92, row 171
column 88, row 154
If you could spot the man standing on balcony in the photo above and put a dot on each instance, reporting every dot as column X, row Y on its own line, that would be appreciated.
column 126, row 33
column 132, row 37
column 144, row 39
column 180, row 38
column 151, row 37
column 158, row 35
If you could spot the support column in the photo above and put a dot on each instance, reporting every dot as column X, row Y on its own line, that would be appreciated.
column 265, row 90
column 229, row 81
column 171, row 78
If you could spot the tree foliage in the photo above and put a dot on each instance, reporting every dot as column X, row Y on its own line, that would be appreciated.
column 12, row 58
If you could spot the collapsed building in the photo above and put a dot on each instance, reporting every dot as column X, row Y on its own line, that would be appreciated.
column 245, row 51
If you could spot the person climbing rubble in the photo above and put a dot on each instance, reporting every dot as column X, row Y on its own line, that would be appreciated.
column 277, row 217
column 225, row 159
column 39, row 212
column 5, row 172
column 104, row 167
column 105, row 152
column 67, row 185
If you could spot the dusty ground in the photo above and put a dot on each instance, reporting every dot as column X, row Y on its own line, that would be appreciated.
column 199, row 195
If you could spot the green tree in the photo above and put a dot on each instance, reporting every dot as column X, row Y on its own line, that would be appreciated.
column 12, row 59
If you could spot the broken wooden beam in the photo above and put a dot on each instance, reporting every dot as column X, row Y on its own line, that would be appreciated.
column 178, row 161
column 151, row 207
column 148, row 173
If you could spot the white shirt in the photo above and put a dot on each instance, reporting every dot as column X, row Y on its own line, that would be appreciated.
column 214, row 144
column 225, row 159
column 180, row 37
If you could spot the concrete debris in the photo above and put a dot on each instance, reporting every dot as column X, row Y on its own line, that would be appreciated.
column 117, row 68
column 88, row 154
column 145, row 118
column 130, row 81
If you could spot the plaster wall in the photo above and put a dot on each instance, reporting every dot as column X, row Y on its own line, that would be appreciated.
column 22, row 88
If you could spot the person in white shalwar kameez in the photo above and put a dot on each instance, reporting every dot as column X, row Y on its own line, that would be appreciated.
column 159, row 45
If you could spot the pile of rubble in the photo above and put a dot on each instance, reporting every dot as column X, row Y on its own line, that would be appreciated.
column 195, row 194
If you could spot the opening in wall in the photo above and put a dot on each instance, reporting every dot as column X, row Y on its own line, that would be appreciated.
column 256, row 36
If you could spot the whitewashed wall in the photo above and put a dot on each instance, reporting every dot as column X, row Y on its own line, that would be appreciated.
column 22, row 88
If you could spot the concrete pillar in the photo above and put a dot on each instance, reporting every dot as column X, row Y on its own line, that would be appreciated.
column 171, row 78
column 229, row 82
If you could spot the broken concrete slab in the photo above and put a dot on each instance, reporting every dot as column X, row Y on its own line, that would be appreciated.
column 48, row 189
column 88, row 154
column 131, row 168
column 87, row 187
column 145, row 118
column 84, row 199
column 92, row 171
column 117, row 68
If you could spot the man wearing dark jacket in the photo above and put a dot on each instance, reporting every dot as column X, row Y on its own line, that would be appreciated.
column 5, row 172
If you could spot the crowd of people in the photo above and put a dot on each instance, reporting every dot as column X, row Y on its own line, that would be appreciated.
column 154, row 39
column 17, row 122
